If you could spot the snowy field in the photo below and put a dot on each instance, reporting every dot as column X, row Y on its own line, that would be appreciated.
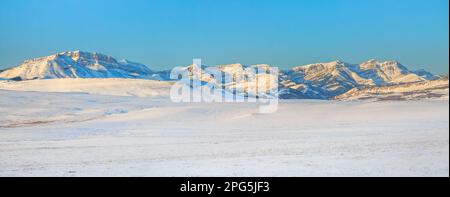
column 80, row 134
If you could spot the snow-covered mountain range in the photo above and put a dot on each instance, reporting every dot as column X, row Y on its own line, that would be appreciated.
column 327, row 80
column 313, row 81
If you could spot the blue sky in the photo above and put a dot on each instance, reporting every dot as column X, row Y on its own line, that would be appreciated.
column 283, row 33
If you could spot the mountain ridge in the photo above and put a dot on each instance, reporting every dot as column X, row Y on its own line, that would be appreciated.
column 314, row 81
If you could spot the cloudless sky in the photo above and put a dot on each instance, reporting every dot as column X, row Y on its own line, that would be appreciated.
column 284, row 33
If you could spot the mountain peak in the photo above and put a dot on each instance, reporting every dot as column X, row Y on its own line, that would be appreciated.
column 387, row 62
column 235, row 65
column 88, row 56
column 75, row 55
column 231, row 68
column 373, row 63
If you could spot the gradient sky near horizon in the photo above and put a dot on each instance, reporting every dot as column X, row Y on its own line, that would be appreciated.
column 284, row 33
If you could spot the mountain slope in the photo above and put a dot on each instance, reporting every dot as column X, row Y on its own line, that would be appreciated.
column 324, row 80
column 435, row 89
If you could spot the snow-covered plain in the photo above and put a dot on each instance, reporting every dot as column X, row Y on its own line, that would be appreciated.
column 79, row 134
column 98, row 86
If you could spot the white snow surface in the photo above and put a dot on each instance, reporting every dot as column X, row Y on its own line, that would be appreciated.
column 78, row 134
column 100, row 86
